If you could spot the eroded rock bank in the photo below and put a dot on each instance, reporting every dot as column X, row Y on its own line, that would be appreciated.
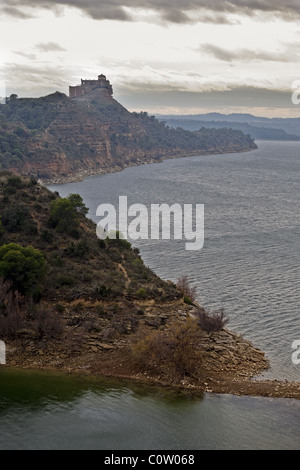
column 230, row 364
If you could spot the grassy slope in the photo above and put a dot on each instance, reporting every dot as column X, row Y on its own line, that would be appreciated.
column 76, row 266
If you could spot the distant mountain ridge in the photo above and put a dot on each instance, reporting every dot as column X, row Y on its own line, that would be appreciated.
column 258, row 127
column 58, row 138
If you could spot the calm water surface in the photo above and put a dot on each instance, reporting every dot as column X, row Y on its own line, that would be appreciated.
column 39, row 411
column 249, row 265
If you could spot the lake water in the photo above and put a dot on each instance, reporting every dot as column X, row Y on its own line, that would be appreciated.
column 249, row 265
column 54, row 411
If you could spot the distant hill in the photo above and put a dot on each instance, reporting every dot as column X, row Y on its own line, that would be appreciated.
column 259, row 128
column 56, row 138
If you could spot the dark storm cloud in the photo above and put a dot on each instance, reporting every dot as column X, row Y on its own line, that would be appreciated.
column 173, row 11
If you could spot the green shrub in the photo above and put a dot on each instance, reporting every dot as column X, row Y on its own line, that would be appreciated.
column 103, row 291
column 60, row 308
column 141, row 293
column 78, row 250
column 17, row 218
column 15, row 182
column 63, row 216
column 24, row 267
column 47, row 236
column 78, row 204
column 64, row 280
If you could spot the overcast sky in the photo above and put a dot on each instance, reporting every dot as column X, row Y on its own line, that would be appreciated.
column 161, row 56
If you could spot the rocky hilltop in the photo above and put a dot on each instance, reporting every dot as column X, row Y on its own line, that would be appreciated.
column 60, row 138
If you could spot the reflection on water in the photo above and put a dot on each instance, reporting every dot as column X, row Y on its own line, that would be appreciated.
column 34, row 389
column 41, row 410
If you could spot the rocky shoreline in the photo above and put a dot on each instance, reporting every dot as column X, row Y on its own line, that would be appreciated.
column 231, row 364
column 85, row 173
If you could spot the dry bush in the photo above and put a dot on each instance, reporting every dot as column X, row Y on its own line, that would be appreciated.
column 175, row 351
column 184, row 337
column 150, row 347
column 12, row 311
column 188, row 292
column 211, row 322
column 47, row 323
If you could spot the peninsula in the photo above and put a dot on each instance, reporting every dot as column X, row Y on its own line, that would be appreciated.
column 71, row 302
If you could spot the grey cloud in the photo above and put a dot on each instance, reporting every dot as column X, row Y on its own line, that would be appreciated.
column 99, row 10
column 16, row 13
column 40, row 80
column 35, row 79
column 246, row 54
column 173, row 11
column 175, row 16
column 239, row 96
column 216, row 18
column 217, row 52
column 49, row 47
column 27, row 55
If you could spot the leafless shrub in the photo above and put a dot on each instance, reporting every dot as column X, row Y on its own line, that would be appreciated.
column 210, row 322
column 150, row 348
column 12, row 311
column 188, row 292
column 175, row 351
column 47, row 323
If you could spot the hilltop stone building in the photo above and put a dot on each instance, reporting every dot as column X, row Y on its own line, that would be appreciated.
column 87, row 86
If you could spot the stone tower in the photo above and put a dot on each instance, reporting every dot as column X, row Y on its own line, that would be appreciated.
column 87, row 86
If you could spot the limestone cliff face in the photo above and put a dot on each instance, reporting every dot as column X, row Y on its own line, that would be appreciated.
column 63, row 139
